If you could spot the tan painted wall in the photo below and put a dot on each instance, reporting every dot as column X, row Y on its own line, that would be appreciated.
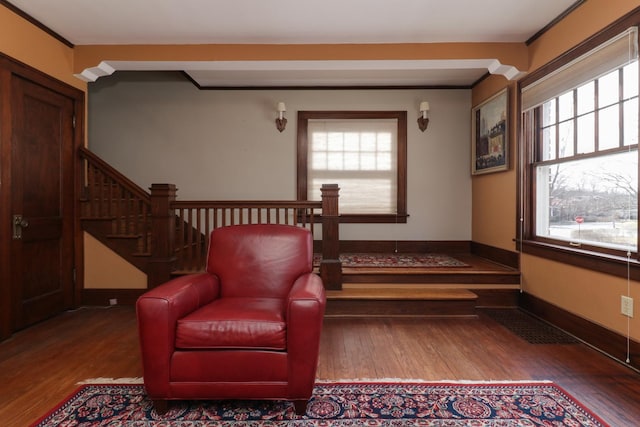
column 494, row 195
column 23, row 41
column 591, row 295
column 104, row 269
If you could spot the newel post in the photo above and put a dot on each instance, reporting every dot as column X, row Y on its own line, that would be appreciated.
column 163, row 229
column 330, row 266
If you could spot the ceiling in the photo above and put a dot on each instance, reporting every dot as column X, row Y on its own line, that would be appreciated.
column 88, row 22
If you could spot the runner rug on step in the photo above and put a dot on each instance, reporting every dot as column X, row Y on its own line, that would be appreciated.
column 384, row 260
column 355, row 403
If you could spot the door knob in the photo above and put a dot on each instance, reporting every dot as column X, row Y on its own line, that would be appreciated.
column 18, row 224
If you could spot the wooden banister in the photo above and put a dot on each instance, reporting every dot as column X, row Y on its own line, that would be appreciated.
column 330, row 266
column 173, row 235
column 108, row 195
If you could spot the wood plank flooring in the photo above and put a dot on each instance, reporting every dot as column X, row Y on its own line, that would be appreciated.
column 40, row 366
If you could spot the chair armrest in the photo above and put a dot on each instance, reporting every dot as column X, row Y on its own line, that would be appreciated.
column 158, row 311
column 305, row 312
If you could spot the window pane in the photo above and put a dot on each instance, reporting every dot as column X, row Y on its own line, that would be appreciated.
column 319, row 161
column 351, row 141
column 590, row 201
column 631, row 122
column 566, row 139
column 608, row 89
column 368, row 161
column 549, row 143
column 351, row 161
column 565, row 106
column 630, row 79
column 361, row 156
column 608, row 128
column 384, row 161
column 586, row 134
column 335, row 161
column 549, row 113
column 335, row 141
column 384, row 141
column 319, row 141
column 368, row 142
column 586, row 98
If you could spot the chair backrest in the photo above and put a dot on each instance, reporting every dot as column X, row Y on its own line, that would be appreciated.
column 259, row 260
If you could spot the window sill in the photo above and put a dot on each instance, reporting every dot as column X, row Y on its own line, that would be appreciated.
column 596, row 261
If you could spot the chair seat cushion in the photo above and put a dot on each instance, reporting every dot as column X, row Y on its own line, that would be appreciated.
column 235, row 323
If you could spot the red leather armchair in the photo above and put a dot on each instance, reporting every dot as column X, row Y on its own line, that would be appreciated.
column 247, row 328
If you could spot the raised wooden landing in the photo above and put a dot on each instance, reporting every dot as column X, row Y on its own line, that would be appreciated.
column 400, row 302
column 479, row 271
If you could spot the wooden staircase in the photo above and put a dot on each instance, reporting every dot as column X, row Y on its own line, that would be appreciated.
column 399, row 301
column 425, row 292
column 124, row 217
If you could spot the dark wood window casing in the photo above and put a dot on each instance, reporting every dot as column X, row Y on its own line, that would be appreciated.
column 302, row 160
column 614, row 262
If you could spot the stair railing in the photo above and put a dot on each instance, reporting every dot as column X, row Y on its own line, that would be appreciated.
column 181, row 228
column 174, row 234
column 109, row 195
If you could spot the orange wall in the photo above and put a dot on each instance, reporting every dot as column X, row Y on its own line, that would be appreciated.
column 591, row 295
column 24, row 42
column 104, row 269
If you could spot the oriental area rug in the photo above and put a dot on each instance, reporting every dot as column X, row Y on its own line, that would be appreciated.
column 404, row 260
column 356, row 403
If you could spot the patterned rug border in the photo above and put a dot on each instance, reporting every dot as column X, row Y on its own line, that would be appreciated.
column 323, row 381
column 588, row 417
column 402, row 260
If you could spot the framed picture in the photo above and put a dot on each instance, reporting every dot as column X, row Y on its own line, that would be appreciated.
column 490, row 134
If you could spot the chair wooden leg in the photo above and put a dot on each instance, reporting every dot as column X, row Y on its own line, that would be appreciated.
column 300, row 406
column 161, row 406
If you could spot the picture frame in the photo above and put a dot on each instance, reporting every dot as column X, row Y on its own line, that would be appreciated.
column 490, row 134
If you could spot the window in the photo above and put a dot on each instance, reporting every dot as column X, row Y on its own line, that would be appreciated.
column 364, row 153
column 580, row 135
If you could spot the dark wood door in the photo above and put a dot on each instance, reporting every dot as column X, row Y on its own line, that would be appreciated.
column 42, row 245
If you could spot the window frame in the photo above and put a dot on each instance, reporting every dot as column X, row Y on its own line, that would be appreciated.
column 609, row 261
column 303, row 150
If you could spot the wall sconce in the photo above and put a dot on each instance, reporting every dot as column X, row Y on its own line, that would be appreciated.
column 281, row 121
column 423, row 120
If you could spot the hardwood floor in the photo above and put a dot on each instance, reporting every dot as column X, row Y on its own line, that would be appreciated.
column 40, row 366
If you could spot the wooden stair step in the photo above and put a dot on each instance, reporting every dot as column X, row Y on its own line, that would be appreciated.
column 390, row 294
column 388, row 302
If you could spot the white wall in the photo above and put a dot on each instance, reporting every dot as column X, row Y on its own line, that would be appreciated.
column 223, row 145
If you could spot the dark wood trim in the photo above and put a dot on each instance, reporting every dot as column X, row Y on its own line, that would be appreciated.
column 302, row 151
column 101, row 297
column 553, row 23
column 350, row 87
column 501, row 256
column 35, row 22
column 488, row 298
column 609, row 342
column 373, row 219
